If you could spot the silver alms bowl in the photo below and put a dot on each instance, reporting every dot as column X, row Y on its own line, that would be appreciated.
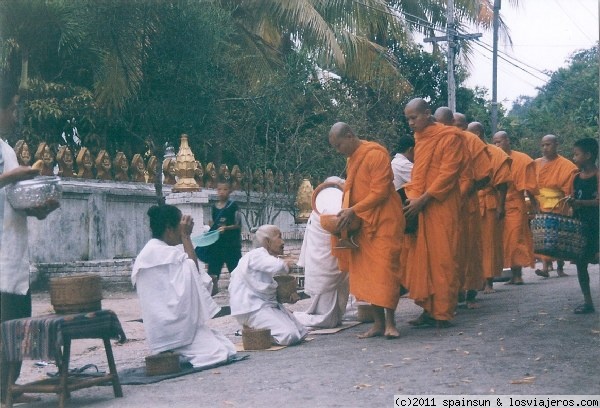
column 34, row 193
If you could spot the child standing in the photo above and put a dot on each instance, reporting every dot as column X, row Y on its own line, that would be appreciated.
column 225, row 218
column 585, row 208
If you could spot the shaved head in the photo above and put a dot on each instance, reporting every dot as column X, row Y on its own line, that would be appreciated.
column 340, row 129
column 444, row 116
column 502, row 140
column 343, row 139
column 419, row 105
column 460, row 121
column 549, row 147
column 418, row 114
column 477, row 128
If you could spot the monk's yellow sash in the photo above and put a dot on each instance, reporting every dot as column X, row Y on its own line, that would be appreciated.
column 549, row 198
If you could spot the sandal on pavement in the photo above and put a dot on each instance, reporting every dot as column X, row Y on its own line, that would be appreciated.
column 586, row 308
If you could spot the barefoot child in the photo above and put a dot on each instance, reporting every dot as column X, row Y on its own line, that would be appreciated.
column 585, row 207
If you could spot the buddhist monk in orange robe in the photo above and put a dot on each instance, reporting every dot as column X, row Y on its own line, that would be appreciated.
column 518, row 242
column 492, row 201
column 482, row 171
column 374, row 266
column 434, row 197
column 555, row 181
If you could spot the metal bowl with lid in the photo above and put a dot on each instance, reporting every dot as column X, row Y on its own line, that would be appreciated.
column 34, row 193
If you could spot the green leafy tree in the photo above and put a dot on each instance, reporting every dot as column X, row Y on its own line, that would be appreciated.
column 567, row 106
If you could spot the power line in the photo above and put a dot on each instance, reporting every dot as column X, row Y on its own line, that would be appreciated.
column 573, row 21
column 510, row 62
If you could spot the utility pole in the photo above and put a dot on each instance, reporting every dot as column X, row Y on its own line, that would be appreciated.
column 451, row 36
column 497, row 5
column 450, row 32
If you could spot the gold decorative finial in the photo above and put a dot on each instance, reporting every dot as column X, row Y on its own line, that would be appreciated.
column 304, row 201
column 185, row 167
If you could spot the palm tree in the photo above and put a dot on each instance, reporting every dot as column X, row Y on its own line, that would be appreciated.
column 348, row 37
column 29, row 27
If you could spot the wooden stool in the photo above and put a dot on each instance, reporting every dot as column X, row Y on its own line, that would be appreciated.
column 63, row 384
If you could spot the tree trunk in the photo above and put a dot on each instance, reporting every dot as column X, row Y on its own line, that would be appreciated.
column 24, row 85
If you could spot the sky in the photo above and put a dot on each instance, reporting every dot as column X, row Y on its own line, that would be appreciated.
column 544, row 34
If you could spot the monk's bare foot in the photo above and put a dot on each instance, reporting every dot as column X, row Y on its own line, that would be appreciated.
column 488, row 289
column 391, row 332
column 561, row 273
column 518, row 281
column 542, row 273
column 372, row 332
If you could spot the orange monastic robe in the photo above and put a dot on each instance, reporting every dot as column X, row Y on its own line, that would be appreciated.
column 470, row 251
column 518, row 242
column 555, row 181
column 491, row 227
column 431, row 270
column 375, row 266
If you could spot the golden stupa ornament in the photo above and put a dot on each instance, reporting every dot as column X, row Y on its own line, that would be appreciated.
column 185, row 167
column 304, row 201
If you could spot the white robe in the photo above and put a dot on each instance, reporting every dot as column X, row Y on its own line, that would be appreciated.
column 14, row 253
column 176, row 304
column 253, row 297
column 323, row 280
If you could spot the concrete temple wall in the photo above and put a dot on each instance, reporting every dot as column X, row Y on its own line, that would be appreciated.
column 102, row 225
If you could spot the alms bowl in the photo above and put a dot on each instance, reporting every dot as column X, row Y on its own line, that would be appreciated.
column 34, row 193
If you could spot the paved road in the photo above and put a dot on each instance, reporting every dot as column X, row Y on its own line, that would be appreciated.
column 523, row 340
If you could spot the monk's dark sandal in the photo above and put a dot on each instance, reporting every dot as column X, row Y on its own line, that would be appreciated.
column 543, row 274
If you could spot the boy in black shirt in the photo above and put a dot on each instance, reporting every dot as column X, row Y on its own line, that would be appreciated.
column 225, row 218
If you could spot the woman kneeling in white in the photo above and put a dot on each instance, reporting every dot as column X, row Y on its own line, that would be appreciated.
column 174, row 295
column 253, row 291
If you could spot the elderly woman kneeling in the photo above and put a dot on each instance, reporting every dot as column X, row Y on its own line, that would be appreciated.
column 252, row 289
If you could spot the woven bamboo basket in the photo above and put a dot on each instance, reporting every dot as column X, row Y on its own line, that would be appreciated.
column 365, row 313
column 163, row 363
column 76, row 294
column 256, row 339
column 286, row 287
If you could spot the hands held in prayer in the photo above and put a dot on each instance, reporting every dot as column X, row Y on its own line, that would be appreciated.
column 186, row 226
column 346, row 218
column 415, row 206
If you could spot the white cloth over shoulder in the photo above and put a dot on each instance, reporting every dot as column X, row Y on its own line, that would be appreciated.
column 323, row 280
column 176, row 304
column 253, row 297
column 402, row 169
column 14, row 253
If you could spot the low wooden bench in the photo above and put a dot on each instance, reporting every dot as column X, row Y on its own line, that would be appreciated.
column 49, row 337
